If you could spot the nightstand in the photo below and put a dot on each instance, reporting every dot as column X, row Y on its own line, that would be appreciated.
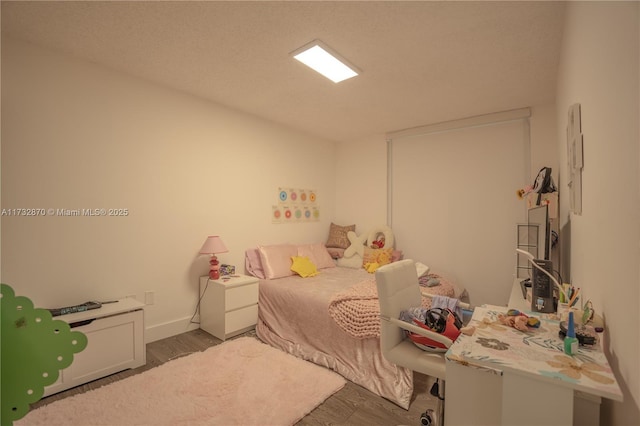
column 228, row 307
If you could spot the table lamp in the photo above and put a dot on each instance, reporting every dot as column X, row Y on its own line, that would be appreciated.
column 213, row 245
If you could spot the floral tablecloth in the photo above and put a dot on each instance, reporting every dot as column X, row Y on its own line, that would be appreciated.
column 538, row 352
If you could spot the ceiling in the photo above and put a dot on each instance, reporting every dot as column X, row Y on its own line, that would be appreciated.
column 422, row 62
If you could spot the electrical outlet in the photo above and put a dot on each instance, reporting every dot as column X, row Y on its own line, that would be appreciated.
column 148, row 297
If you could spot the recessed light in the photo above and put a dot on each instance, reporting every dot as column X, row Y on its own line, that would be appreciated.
column 319, row 57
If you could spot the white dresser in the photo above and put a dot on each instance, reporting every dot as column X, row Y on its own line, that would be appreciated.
column 115, row 342
column 229, row 305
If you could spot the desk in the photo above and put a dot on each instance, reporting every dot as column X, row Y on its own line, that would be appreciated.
column 504, row 376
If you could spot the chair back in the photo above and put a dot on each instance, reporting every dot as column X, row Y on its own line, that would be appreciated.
column 398, row 289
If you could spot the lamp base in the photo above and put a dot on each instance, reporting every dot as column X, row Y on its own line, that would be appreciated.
column 214, row 269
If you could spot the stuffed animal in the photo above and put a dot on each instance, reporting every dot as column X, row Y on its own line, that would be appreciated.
column 516, row 319
column 384, row 257
column 378, row 244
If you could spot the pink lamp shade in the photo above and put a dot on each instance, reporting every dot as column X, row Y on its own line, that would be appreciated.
column 213, row 245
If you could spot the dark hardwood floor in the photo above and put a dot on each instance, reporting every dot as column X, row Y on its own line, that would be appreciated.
column 352, row 405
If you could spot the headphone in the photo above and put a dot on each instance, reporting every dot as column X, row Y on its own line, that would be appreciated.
column 436, row 319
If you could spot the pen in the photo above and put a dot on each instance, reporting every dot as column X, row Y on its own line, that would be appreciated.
column 574, row 297
column 564, row 297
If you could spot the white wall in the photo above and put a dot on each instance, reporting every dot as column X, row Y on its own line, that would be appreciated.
column 361, row 183
column 544, row 141
column 599, row 70
column 76, row 135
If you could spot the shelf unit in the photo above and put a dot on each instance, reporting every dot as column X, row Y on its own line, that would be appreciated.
column 527, row 238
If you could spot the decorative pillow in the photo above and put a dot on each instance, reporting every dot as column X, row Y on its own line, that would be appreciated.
column 396, row 255
column 302, row 266
column 356, row 244
column 354, row 262
column 379, row 256
column 338, row 235
column 253, row 263
column 381, row 237
column 276, row 260
column 318, row 254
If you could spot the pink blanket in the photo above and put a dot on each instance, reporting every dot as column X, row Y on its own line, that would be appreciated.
column 357, row 310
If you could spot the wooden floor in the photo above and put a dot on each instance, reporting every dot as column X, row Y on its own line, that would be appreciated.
column 352, row 405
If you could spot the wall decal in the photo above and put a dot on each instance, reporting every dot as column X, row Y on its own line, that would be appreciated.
column 295, row 205
column 276, row 214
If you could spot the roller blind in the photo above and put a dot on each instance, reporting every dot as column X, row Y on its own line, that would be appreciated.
column 453, row 203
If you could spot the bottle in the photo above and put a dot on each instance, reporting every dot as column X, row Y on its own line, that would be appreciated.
column 570, row 341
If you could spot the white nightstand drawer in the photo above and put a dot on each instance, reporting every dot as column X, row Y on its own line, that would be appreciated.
column 239, row 297
column 241, row 319
column 228, row 306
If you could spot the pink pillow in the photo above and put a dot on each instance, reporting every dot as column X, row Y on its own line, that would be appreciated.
column 253, row 263
column 276, row 260
column 318, row 255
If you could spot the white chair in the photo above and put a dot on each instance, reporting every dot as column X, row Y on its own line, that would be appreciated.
column 398, row 289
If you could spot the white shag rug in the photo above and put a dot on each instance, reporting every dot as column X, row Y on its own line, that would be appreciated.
column 239, row 382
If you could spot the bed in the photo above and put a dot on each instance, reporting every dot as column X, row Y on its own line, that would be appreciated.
column 331, row 319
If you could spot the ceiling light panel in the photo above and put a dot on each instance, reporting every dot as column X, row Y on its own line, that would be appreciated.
column 319, row 57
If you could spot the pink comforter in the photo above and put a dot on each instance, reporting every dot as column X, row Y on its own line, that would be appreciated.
column 293, row 316
column 332, row 319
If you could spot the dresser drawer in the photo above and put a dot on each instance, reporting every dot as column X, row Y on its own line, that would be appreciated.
column 241, row 319
column 239, row 297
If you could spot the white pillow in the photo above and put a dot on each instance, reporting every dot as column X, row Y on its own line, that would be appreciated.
column 421, row 269
column 354, row 262
column 357, row 244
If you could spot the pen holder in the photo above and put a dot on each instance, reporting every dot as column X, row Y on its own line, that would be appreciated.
column 563, row 312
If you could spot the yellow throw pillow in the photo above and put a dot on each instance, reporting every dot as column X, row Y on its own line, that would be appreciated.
column 371, row 267
column 303, row 266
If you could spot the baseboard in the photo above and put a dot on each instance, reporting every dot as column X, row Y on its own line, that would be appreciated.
column 168, row 329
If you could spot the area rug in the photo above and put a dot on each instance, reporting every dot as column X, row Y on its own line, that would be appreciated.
column 239, row 382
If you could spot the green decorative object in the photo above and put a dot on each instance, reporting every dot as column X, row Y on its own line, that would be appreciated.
column 34, row 348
